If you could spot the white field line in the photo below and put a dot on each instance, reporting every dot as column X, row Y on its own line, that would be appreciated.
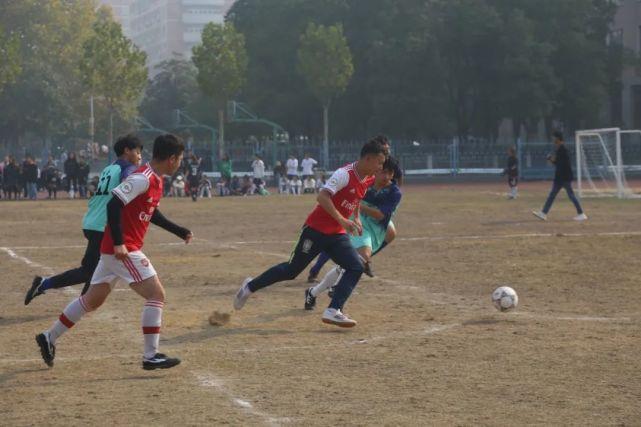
column 26, row 260
column 208, row 380
column 231, row 245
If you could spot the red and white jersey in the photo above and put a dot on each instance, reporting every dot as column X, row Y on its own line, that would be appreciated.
column 140, row 193
column 348, row 189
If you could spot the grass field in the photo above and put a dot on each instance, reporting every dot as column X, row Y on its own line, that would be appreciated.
column 429, row 348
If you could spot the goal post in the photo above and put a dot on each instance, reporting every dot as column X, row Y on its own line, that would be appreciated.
column 600, row 163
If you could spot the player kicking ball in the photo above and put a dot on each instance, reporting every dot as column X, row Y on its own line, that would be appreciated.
column 377, row 208
column 326, row 230
column 129, row 212
column 128, row 149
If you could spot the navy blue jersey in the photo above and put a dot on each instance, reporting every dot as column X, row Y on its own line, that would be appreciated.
column 386, row 200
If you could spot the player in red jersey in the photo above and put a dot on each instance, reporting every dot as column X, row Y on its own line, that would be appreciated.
column 325, row 230
column 133, row 207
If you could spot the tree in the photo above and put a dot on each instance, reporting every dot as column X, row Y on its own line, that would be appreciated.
column 324, row 59
column 221, row 61
column 174, row 87
column 9, row 58
column 113, row 68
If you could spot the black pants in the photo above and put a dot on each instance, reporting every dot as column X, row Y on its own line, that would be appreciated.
column 89, row 263
column 310, row 244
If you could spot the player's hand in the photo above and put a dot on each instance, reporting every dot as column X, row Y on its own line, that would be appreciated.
column 359, row 226
column 188, row 238
column 120, row 252
column 351, row 227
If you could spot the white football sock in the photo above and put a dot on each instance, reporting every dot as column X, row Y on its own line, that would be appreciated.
column 331, row 278
column 69, row 317
column 151, row 320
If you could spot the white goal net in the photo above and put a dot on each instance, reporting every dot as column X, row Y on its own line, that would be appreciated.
column 600, row 167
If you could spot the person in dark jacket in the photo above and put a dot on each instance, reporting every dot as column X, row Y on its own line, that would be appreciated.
column 11, row 179
column 30, row 176
column 83, row 177
column 51, row 179
column 512, row 172
column 71, row 170
column 562, row 179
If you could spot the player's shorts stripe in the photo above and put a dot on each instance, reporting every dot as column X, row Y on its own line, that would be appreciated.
column 65, row 321
column 150, row 330
column 82, row 303
column 132, row 270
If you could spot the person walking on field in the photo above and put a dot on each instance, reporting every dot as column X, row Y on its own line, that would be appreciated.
column 562, row 179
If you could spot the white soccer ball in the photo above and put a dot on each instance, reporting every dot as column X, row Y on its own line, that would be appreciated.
column 104, row 149
column 505, row 298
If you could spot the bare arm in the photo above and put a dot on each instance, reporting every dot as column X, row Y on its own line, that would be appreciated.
column 371, row 211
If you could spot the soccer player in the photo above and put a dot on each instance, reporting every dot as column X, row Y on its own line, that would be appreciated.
column 128, row 149
column 129, row 212
column 562, row 179
column 512, row 172
column 377, row 209
column 390, row 234
column 194, row 173
column 326, row 230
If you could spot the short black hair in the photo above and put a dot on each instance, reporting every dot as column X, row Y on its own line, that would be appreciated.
column 391, row 164
column 376, row 145
column 166, row 146
column 130, row 141
column 557, row 134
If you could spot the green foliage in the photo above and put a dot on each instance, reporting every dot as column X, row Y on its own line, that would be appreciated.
column 325, row 61
column 221, row 61
column 113, row 67
column 9, row 58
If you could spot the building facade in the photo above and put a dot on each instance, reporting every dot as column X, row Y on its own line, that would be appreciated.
column 120, row 9
column 165, row 28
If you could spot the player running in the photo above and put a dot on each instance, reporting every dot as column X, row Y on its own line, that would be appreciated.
column 129, row 213
column 325, row 230
column 390, row 235
column 128, row 148
column 377, row 208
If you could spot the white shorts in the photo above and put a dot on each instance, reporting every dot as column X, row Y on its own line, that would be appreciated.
column 134, row 269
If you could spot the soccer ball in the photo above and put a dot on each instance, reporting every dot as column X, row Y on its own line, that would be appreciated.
column 104, row 149
column 505, row 298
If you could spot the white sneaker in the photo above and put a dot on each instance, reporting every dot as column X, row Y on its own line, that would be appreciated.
column 243, row 293
column 336, row 317
column 581, row 217
column 540, row 215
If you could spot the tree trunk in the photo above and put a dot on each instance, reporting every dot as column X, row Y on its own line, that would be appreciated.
column 221, row 133
column 326, row 136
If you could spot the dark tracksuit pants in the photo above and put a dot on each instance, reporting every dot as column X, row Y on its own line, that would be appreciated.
column 556, row 187
column 310, row 244
column 89, row 263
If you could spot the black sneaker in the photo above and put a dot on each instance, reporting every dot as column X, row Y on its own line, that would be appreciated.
column 310, row 300
column 47, row 350
column 159, row 361
column 312, row 277
column 367, row 269
column 34, row 290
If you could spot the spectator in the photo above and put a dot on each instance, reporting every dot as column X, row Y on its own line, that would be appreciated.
column 234, row 186
column 204, row 189
column 166, row 186
column 295, row 185
column 292, row 167
column 30, row 173
column 224, row 166
column 308, row 166
column 11, row 179
column 71, row 171
column 280, row 179
column 309, row 184
column 259, row 171
column 247, row 187
column 51, row 179
column 320, row 183
column 178, row 187
column 83, row 177
column 222, row 187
